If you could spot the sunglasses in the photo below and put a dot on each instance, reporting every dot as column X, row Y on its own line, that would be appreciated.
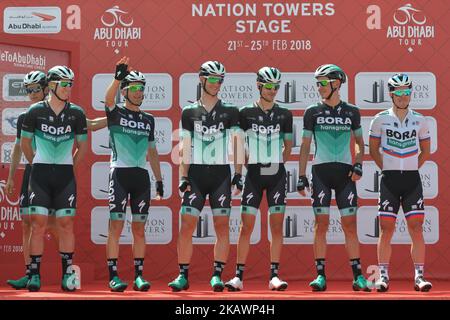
column 33, row 90
column 271, row 86
column 136, row 88
column 214, row 79
column 65, row 84
column 323, row 83
column 404, row 92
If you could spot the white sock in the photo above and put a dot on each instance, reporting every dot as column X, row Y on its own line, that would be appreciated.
column 418, row 270
column 384, row 270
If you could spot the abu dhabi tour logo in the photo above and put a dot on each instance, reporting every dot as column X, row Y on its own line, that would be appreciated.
column 117, row 29
column 407, row 14
column 114, row 16
column 410, row 25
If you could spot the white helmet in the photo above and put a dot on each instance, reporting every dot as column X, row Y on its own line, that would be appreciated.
column 212, row 68
column 268, row 75
column 35, row 77
column 133, row 76
column 60, row 72
column 399, row 80
column 331, row 71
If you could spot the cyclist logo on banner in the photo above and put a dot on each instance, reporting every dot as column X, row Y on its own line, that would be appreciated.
column 407, row 13
column 115, row 15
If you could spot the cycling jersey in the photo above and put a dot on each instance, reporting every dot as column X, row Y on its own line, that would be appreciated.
column 23, row 204
column 210, row 132
column 19, row 130
column 265, row 132
column 400, row 140
column 332, row 128
column 54, row 134
column 131, row 133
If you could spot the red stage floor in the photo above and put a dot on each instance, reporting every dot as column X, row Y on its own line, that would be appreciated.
column 399, row 290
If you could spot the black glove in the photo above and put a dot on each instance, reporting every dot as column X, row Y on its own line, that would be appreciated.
column 121, row 71
column 184, row 183
column 302, row 183
column 357, row 169
column 160, row 188
column 237, row 181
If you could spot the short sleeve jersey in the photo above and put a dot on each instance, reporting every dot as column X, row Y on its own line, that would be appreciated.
column 265, row 132
column 400, row 141
column 54, row 135
column 19, row 130
column 131, row 134
column 210, row 132
column 331, row 129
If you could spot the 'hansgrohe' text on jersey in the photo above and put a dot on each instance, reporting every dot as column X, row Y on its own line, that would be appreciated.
column 131, row 133
column 210, row 132
column 400, row 141
column 332, row 128
column 265, row 132
column 54, row 134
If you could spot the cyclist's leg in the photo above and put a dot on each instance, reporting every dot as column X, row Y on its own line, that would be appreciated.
column 276, row 199
column 413, row 208
column 388, row 206
column 220, row 201
column 321, row 200
column 251, row 199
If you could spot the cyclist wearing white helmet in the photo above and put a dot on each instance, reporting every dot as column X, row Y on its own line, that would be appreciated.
column 132, row 139
column 207, row 127
column 211, row 72
column 54, row 126
column 404, row 138
column 332, row 122
column 35, row 83
column 268, row 132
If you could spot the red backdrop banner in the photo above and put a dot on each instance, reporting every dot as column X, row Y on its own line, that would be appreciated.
column 168, row 41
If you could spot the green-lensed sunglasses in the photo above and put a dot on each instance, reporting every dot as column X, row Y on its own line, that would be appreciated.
column 65, row 84
column 136, row 87
column 323, row 83
column 271, row 86
column 211, row 79
column 404, row 92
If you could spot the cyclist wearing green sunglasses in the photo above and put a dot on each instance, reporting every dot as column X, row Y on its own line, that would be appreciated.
column 332, row 123
column 54, row 126
column 208, row 127
column 132, row 137
column 400, row 91
column 403, row 137
column 35, row 83
column 268, row 132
